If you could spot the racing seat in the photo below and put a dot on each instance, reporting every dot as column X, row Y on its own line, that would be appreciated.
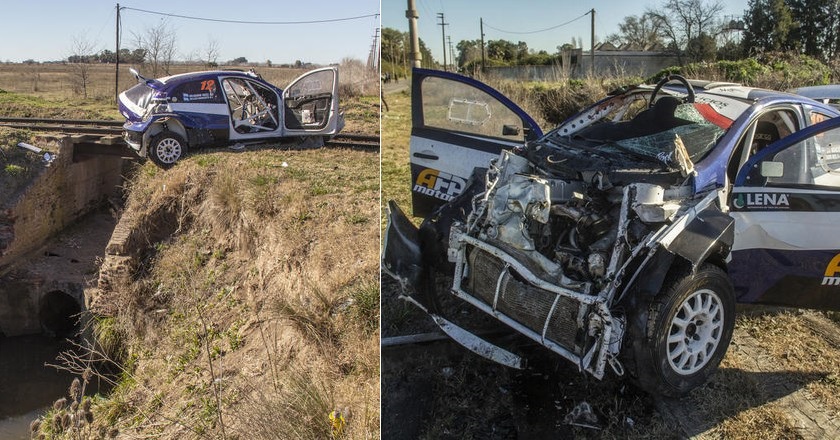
column 765, row 134
column 658, row 118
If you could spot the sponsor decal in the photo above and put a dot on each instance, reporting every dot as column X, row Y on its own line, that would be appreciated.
column 761, row 201
column 188, row 97
column 831, row 278
column 437, row 184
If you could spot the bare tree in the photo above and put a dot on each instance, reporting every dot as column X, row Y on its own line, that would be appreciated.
column 686, row 21
column 638, row 31
column 82, row 51
column 159, row 44
column 211, row 53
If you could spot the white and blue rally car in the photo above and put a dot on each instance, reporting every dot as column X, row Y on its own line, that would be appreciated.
column 625, row 236
column 166, row 117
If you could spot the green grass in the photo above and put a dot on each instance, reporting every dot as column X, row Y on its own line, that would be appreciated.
column 396, row 172
column 29, row 106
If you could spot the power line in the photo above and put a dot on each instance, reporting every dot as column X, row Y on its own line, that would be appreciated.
column 217, row 20
column 540, row 30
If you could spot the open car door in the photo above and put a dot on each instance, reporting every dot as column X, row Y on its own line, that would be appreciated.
column 458, row 124
column 786, row 206
column 310, row 104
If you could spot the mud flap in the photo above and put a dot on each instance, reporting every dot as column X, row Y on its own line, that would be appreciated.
column 710, row 231
column 479, row 346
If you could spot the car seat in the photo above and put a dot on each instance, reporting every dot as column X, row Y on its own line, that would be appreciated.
column 765, row 134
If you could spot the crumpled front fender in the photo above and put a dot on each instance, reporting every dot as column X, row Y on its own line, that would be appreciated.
column 401, row 254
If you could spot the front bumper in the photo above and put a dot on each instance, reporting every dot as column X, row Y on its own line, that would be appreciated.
column 574, row 324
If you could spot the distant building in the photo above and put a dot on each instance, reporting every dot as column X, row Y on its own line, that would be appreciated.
column 627, row 60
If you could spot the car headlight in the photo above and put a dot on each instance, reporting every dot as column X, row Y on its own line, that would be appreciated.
column 162, row 107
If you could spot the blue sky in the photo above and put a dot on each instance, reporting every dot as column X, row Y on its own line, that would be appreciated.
column 522, row 16
column 44, row 30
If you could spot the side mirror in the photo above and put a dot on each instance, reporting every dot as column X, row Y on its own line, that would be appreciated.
column 510, row 130
column 772, row 169
column 136, row 74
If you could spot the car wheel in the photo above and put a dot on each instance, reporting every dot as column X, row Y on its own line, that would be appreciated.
column 166, row 148
column 688, row 327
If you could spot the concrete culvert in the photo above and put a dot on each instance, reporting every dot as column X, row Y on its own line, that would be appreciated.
column 59, row 313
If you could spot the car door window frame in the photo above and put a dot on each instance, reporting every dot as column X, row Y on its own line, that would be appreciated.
column 742, row 151
column 530, row 129
column 791, row 141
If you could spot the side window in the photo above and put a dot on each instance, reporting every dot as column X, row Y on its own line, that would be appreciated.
column 204, row 91
column 455, row 106
column 253, row 107
column 768, row 128
column 817, row 117
column 814, row 162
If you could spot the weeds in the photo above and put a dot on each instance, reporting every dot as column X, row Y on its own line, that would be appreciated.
column 260, row 306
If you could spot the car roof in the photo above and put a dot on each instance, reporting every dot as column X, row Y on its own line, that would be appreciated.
column 831, row 91
column 734, row 91
column 182, row 77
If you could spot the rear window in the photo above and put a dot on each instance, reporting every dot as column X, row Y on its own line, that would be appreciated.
column 140, row 94
column 200, row 91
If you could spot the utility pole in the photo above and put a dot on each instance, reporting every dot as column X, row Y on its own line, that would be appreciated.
column 451, row 53
column 404, row 58
column 117, row 69
column 592, row 45
column 411, row 15
column 377, row 51
column 443, row 37
column 481, row 23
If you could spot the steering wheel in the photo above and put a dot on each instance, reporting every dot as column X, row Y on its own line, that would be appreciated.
column 689, row 99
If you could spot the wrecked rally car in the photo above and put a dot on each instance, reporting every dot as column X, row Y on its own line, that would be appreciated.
column 625, row 236
column 168, row 116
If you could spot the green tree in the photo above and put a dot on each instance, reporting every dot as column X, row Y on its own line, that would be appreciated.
column 469, row 52
column 768, row 24
column 812, row 33
column 396, row 57
column 501, row 50
column 701, row 48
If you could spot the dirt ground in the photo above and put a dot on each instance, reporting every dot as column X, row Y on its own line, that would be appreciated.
column 438, row 389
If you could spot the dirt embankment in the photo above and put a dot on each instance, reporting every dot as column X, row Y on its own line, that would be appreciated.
column 239, row 299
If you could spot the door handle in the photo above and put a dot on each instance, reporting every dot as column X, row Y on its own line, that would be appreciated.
column 426, row 156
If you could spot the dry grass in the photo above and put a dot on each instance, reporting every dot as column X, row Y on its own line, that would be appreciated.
column 256, row 319
column 795, row 346
column 396, row 131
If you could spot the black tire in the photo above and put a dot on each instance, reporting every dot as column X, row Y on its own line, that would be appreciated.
column 678, row 342
column 166, row 148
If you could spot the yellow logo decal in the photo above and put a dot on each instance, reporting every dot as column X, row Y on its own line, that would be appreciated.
column 830, row 278
column 438, row 184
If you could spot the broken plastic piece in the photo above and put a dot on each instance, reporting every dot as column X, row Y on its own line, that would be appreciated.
column 29, row 147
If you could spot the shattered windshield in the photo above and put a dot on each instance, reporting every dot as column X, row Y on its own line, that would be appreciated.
column 669, row 133
column 698, row 139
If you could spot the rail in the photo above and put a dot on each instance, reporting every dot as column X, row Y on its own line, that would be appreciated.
column 111, row 128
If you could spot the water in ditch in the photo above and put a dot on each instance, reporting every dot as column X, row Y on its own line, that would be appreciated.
column 28, row 387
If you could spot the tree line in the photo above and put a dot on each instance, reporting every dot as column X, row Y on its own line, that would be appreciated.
column 691, row 30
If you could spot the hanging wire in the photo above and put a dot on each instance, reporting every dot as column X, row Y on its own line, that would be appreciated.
column 218, row 20
column 540, row 30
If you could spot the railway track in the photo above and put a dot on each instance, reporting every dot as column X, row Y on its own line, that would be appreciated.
column 113, row 131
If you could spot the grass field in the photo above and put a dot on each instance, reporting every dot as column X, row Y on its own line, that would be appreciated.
column 781, row 370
